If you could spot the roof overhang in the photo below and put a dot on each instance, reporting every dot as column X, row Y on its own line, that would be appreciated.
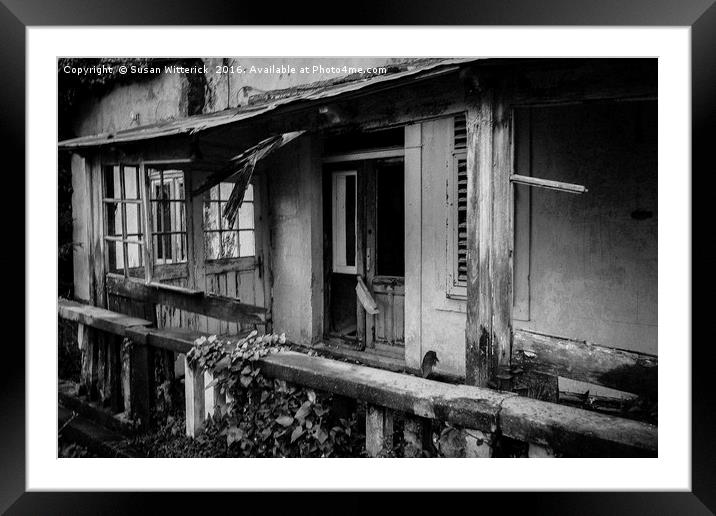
column 199, row 123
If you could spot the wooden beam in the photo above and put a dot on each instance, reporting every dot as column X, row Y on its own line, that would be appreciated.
column 478, row 330
column 579, row 360
column 196, row 301
column 502, row 238
column 99, row 318
column 546, row 183
column 378, row 430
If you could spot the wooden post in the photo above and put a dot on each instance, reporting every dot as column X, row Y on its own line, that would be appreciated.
column 378, row 429
column 489, row 229
column 114, row 372
column 213, row 397
column 142, row 393
column 126, row 376
column 194, row 390
column 102, row 389
column 417, row 431
column 88, row 376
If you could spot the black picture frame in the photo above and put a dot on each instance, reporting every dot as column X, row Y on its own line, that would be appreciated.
column 17, row 15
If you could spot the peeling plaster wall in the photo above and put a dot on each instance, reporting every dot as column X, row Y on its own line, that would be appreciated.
column 161, row 98
column 296, row 233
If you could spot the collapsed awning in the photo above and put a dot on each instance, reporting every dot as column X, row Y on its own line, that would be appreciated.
column 242, row 165
column 308, row 94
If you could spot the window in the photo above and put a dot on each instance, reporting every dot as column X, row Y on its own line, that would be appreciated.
column 457, row 216
column 344, row 222
column 122, row 218
column 168, row 211
column 221, row 240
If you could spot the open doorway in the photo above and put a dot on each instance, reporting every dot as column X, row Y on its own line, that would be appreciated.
column 365, row 253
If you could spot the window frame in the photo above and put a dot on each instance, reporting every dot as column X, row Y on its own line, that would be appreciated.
column 121, row 202
column 172, row 201
column 339, row 253
column 206, row 200
column 145, row 217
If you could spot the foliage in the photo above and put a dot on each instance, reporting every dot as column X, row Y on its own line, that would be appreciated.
column 261, row 417
column 73, row 450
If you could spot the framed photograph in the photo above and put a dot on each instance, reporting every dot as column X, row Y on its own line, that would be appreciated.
column 422, row 253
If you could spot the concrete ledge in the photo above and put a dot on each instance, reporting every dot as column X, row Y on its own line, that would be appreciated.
column 464, row 405
column 576, row 432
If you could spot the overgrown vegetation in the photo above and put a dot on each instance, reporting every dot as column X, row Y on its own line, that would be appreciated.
column 261, row 417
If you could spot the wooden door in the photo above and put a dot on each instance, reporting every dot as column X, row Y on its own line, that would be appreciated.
column 384, row 260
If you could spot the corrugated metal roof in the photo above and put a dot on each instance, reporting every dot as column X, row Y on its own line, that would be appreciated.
column 198, row 123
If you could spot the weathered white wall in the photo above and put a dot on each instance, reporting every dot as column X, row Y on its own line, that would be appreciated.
column 433, row 321
column 296, row 230
column 593, row 267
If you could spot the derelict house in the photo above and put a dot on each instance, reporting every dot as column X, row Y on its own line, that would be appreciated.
column 500, row 212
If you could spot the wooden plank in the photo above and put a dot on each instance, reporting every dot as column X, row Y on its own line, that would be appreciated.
column 220, row 307
column 365, row 298
column 378, row 430
column 548, row 184
column 579, row 360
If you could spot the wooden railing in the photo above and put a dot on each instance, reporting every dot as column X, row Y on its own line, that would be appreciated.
column 485, row 415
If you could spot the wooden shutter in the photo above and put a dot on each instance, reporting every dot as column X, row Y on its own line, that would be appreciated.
column 460, row 169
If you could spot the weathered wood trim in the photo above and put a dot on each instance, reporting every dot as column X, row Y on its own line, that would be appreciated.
column 413, row 244
column 369, row 154
column 196, row 301
column 246, row 263
column 579, row 360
